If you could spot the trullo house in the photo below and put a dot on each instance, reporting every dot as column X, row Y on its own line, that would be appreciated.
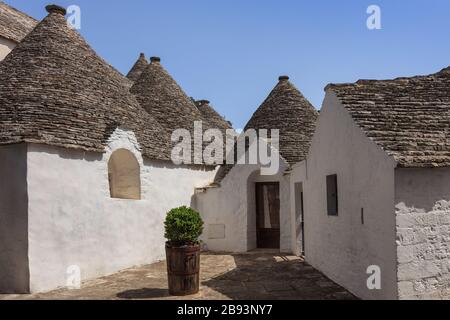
column 244, row 209
column 376, row 187
column 86, row 170
column 361, row 190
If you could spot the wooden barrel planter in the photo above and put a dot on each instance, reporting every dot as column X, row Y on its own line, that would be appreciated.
column 183, row 269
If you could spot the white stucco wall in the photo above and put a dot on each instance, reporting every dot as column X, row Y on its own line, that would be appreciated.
column 422, row 198
column 6, row 46
column 342, row 247
column 14, row 276
column 231, row 207
column 73, row 220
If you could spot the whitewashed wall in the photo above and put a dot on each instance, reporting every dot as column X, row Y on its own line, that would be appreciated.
column 422, row 198
column 73, row 220
column 6, row 46
column 229, row 211
column 342, row 247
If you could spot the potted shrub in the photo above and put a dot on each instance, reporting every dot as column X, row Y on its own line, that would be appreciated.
column 183, row 227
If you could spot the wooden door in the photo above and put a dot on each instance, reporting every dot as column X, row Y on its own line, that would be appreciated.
column 268, row 215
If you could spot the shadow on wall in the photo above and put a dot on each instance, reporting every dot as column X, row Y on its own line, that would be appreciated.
column 70, row 154
column 170, row 165
column 424, row 190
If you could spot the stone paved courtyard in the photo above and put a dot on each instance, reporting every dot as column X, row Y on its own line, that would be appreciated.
column 256, row 275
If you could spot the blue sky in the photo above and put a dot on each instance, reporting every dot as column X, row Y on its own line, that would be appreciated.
column 231, row 52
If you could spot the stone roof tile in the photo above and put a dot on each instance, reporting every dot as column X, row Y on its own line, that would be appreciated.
column 409, row 118
column 287, row 110
column 211, row 116
column 160, row 95
column 55, row 90
column 14, row 25
column 138, row 68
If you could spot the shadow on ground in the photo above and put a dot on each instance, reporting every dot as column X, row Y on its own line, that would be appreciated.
column 145, row 293
column 275, row 277
column 252, row 276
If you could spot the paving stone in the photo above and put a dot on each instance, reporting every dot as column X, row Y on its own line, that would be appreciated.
column 303, row 283
column 325, row 284
column 277, row 286
column 312, row 276
column 344, row 295
column 253, row 276
column 255, row 286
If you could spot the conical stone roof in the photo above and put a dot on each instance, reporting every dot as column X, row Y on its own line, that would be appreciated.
column 55, row 90
column 289, row 111
column 211, row 116
column 164, row 99
column 138, row 68
column 445, row 71
column 14, row 25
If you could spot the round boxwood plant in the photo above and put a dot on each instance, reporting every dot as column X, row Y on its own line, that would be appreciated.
column 183, row 226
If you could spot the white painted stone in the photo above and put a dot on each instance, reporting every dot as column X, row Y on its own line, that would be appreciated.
column 6, row 46
column 417, row 270
column 73, row 221
column 342, row 247
column 422, row 195
column 406, row 288
column 233, row 205
column 216, row 231
column 410, row 236
column 405, row 221
column 405, row 254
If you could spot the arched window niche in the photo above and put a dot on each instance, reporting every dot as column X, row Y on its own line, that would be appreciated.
column 124, row 175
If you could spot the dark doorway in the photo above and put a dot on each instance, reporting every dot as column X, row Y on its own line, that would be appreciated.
column 300, row 217
column 268, row 215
